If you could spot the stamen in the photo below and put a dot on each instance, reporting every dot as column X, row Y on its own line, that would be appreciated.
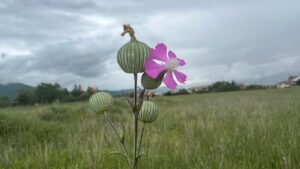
column 172, row 64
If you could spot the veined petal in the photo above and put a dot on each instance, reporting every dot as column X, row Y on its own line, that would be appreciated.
column 181, row 77
column 181, row 62
column 159, row 53
column 169, row 80
column 171, row 54
column 152, row 68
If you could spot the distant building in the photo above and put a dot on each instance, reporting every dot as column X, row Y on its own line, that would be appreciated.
column 292, row 80
column 199, row 89
column 283, row 84
column 151, row 95
column 242, row 87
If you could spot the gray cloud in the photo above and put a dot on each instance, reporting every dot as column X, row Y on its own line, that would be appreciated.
column 76, row 41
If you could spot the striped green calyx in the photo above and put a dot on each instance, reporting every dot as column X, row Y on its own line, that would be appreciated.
column 150, row 83
column 101, row 102
column 148, row 112
column 132, row 55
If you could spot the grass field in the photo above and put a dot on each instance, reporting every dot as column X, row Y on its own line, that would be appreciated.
column 236, row 130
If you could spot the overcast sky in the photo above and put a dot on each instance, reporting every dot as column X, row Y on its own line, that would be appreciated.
column 76, row 41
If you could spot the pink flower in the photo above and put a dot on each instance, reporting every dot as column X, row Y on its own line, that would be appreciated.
column 159, row 62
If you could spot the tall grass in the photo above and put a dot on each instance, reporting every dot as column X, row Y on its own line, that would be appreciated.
column 236, row 130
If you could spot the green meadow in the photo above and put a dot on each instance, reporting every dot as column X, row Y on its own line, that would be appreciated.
column 234, row 130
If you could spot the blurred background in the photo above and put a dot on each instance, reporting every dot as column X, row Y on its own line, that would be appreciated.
column 76, row 41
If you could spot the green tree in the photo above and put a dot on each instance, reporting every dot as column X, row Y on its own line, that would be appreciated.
column 181, row 92
column 4, row 101
column 298, row 82
column 48, row 93
column 168, row 93
column 77, row 90
column 224, row 86
column 254, row 87
column 25, row 97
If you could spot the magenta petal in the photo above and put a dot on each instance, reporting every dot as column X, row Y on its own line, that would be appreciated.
column 159, row 53
column 152, row 68
column 169, row 81
column 181, row 77
column 171, row 54
column 181, row 62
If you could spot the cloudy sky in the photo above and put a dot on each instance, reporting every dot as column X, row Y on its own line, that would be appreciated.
column 76, row 41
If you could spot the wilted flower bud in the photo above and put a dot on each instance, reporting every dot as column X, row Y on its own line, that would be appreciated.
column 148, row 112
column 100, row 102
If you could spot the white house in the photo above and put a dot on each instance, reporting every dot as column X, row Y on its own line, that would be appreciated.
column 292, row 80
column 196, row 89
column 283, row 84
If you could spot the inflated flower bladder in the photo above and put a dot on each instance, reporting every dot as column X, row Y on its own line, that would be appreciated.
column 132, row 55
column 101, row 102
column 156, row 66
column 148, row 112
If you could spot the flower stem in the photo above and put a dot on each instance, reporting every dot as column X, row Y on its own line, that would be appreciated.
column 111, row 124
column 141, row 139
column 126, row 155
column 136, row 123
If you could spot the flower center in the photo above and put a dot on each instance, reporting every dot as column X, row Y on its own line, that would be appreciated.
column 172, row 64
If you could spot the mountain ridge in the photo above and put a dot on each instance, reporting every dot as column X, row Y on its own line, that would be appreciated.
column 11, row 89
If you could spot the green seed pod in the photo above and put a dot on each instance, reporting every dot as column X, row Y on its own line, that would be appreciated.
column 101, row 102
column 150, row 83
column 148, row 112
column 132, row 55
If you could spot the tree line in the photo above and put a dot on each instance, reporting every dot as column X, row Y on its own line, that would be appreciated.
column 220, row 86
column 48, row 93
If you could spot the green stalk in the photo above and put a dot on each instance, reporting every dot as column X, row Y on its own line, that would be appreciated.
column 126, row 155
column 135, row 121
column 141, row 140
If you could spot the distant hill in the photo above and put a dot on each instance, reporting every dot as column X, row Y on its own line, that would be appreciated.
column 123, row 92
column 11, row 89
column 118, row 92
